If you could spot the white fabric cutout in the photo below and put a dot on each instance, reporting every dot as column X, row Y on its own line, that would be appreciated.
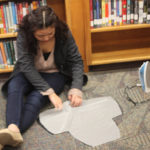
column 90, row 123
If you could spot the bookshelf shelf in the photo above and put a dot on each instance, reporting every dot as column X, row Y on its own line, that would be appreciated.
column 119, row 28
column 115, row 44
column 6, row 70
column 120, row 56
column 8, row 35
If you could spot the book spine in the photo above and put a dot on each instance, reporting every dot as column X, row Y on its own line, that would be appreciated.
column 15, row 49
column 1, row 61
column 141, row 7
column 145, row 11
column 20, row 12
column 120, row 12
column 103, row 13
column 34, row 4
column 124, row 11
column 27, row 7
column 94, row 13
column 136, row 8
column 7, row 57
column 132, row 11
column 1, row 24
column 12, row 51
column 100, row 12
column 128, row 12
column 3, row 18
column 109, row 7
column 14, row 15
column 6, row 19
column 9, row 53
column 3, row 55
column 11, row 17
column 115, row 13
column 112, row 13
column 106, row 12
column 24, row 11
column 148, row 11
column 91, row 14
column 97, row 13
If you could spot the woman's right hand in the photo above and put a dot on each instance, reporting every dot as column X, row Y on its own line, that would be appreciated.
column 56, row 100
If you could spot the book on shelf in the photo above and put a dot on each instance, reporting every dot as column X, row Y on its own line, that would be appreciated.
column 2, row 66
column 3, row 19
column 11, row 13
column 136, row 10
column 118, row 12
column 131, row 11
column 144, row 11
column 148, row 11
column 3, row 55
column 141, row 7
column 91, row 14
column 10, row 57
column 8, row 52
column 109, row 12
column 128, row 12
column 7, row 57
column 124, row 11
column 106, row 13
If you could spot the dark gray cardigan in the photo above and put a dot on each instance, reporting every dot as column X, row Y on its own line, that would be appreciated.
column 67, row 58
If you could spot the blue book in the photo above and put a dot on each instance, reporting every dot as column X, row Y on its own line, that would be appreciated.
column 14, row 13
column 94, row 13
column 97, row 13
column 2, row 66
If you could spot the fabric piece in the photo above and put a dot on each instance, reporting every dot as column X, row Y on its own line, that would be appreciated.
column 90, row 123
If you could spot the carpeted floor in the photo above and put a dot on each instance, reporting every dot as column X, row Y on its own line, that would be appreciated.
column 134, row 124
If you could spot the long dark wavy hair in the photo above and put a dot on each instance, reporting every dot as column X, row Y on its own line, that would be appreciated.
column 34, row 21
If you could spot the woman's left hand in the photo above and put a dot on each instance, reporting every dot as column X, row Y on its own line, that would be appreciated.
column 75, row 100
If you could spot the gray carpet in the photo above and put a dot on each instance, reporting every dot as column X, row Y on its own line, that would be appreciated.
column 134, row 124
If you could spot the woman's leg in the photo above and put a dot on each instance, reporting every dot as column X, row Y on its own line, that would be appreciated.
column 35, row 101
column 17, row 88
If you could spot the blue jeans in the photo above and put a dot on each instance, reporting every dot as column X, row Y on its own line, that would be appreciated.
column 23, row 111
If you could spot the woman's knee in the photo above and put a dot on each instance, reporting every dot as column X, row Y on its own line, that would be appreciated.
column 17, row 83
column 35, row 99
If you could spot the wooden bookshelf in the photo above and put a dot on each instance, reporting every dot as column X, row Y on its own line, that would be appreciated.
column 8, row 35
column 115, row 44
column 119, row 28
column 6, row 70
column 120, row 56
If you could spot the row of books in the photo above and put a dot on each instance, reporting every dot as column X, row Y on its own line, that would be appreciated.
column 118, row 12
column 11, row 13
column 8, row 54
